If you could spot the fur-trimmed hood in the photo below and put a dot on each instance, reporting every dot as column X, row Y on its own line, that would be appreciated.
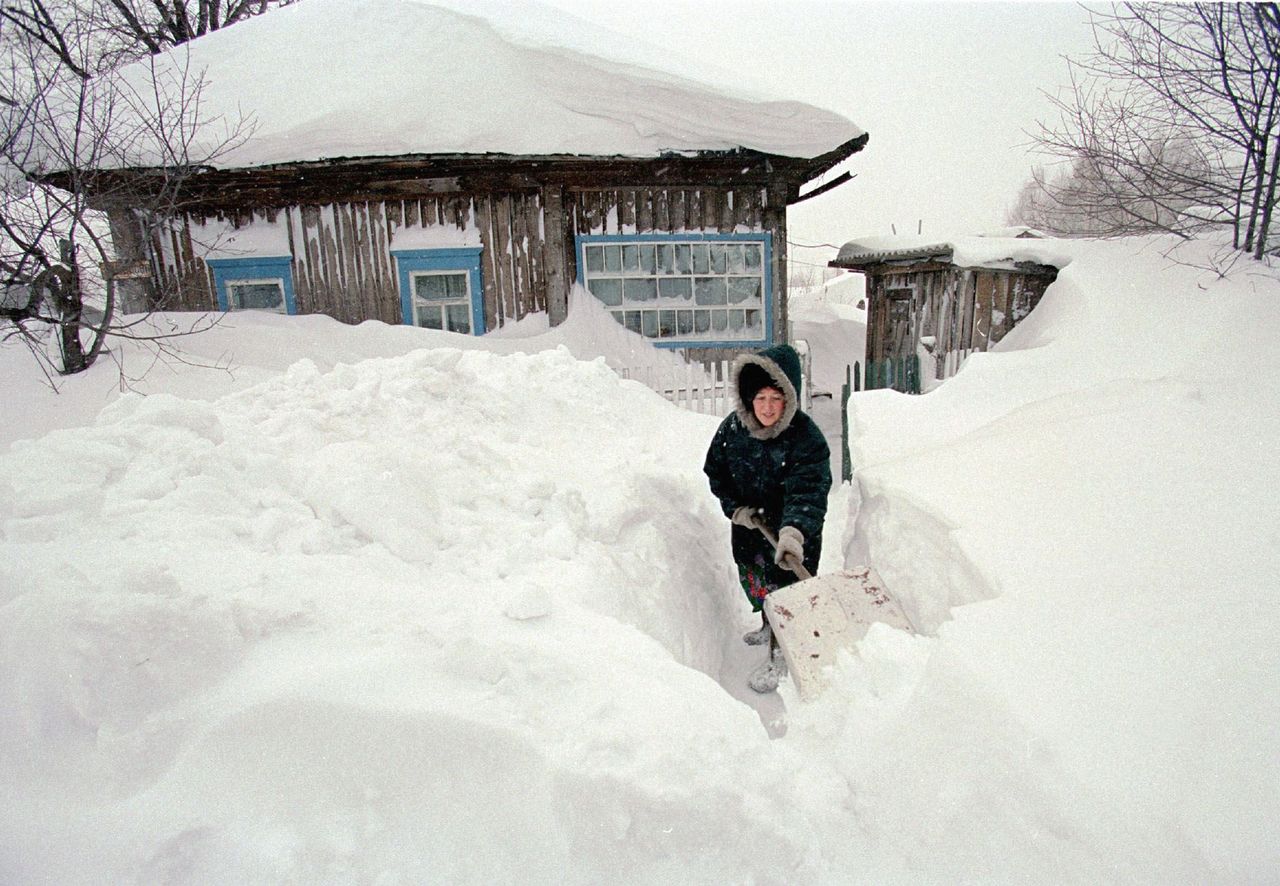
column 778, row 367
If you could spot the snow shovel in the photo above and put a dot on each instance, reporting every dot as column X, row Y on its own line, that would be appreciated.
column 815, row 617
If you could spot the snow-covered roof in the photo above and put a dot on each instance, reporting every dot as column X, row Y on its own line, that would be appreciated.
column 324, row 79
column 968, row 251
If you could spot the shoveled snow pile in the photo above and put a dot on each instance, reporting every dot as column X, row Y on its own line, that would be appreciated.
column 453, row 613
column 1095, row 506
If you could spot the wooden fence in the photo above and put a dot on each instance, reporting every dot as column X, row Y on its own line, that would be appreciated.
column 693, row 387
column 703, row 386
column 900, row 374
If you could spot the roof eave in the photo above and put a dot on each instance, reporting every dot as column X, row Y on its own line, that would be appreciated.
column 816, row 166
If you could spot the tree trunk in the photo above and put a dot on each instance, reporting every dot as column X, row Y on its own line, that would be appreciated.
column 1264, row 228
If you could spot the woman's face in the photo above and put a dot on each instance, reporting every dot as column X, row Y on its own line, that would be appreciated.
column 768, row 406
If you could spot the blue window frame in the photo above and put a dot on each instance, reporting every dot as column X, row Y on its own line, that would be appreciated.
column 257, row 282
column 441, row 288
column 684, row 290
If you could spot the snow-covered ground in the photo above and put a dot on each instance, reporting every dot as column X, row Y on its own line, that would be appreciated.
column 382, row 605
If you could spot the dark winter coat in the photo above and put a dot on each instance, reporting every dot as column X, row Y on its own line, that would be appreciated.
column 784, row 469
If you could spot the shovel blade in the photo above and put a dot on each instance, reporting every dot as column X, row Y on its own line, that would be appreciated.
column 815, row 618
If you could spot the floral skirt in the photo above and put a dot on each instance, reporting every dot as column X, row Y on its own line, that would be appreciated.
column 756, row 581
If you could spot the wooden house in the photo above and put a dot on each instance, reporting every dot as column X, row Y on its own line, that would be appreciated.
column 476, row 188
column 931, row 304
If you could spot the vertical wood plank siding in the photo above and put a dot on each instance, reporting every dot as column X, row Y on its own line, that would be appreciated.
column 665, row 210
column 963, row 309
column 342, row 263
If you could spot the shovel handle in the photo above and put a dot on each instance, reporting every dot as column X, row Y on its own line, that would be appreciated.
column 790, row 560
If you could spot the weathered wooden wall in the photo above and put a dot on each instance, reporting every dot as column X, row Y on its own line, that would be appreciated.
column 342, row 262
column 343, row 267
column 962, row 309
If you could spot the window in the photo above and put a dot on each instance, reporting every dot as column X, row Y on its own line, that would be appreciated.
column 683, row 289
column 267, row 295
column 441, row 289
column 254, row 283
column 441, row 300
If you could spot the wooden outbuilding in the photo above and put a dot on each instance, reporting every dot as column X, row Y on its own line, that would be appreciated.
column 665, row 200
column 931, row 304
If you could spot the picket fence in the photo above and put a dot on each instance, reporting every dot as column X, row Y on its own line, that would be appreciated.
column 692, row 387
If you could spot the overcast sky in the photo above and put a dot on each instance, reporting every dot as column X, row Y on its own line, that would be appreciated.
column 946, row 90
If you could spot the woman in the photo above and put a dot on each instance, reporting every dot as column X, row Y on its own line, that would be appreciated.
column 769, row 461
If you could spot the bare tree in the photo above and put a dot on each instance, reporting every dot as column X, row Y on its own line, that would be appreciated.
column 124, row 30
column 1171, row 124
column 65, row 129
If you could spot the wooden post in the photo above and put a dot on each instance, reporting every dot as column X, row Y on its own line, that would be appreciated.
column 846, row 461
column 561, row 264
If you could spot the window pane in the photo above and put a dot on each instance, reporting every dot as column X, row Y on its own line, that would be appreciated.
column 631, row 258
column 744, row 289
column 755, row 325
column 595, row 259
column 457, row 286
column 440, row 287
column 717, row 258
column 751, row 254
column 647, row 260
column 666, row 258
column 683, row 261
column 633, row 321
column 737, row 264
column 431, row 316
column 430, row 287
column 737, row 320
column 649, row 325
column 613, row 259
column 607, row 290
column 710, row 290
column 701, row 322
column 259, row 296
column 459, row 317
column 675, row 287
column 719, row 321
column 640, row 289
column 701, row 260
column 666, row 324
column 684, row 322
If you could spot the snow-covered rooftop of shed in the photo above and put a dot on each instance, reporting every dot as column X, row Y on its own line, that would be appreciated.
column 966, row 251
column 367, row 78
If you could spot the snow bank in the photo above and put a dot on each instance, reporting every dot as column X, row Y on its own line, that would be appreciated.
column 1104, row 482
column 301, row 629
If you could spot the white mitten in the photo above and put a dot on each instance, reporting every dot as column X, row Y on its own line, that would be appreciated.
column 745, row 516
column 790, row 544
